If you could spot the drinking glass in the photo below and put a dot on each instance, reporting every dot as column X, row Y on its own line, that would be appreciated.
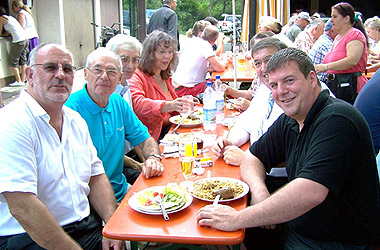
column 198, row 134
column 186, row 146
column 189, row 108
column 187, row 165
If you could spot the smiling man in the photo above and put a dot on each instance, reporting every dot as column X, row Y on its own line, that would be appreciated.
column 111, row 121
column 49, row 169
column 332, row 198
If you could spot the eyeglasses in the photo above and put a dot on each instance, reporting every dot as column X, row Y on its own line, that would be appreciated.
column 127, row 60
column 111, row 73
column 258, row 63
column 53, row 67
column 165, row 52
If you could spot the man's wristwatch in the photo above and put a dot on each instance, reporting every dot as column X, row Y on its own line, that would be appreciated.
column 155, row 155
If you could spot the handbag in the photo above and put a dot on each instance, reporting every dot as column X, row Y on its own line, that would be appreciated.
column 344, row 86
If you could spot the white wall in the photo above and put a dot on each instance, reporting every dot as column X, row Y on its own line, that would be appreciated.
column 50, row 20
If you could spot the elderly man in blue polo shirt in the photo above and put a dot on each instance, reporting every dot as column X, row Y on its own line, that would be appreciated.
column 111, row 121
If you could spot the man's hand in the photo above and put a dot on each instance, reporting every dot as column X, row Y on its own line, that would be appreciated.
column 152, row 167
column 233, row 155
column 220, row 217
column 241, row 104
column 218, row 147
column 112, row 244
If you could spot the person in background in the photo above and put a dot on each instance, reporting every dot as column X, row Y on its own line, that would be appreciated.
column 19, row 47
column 244, row 97
column 291, row 21
column 368, row 103
column 165, row 19
column 49, row 169
column 153, row 95
column 24, row 16
column 269, row 23
column 372, row 26
column 322, row 46
column 328, row 152
column 196, row 60
column 347, row 60
column 315, row 16
column 196, row 31
column 129, row 50
column 310, row 35
column 111, row 121
column 218, row 47
column 303, row 19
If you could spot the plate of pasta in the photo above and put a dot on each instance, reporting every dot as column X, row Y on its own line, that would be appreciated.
column 229, row 189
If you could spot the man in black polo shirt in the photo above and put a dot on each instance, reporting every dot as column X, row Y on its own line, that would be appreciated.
column 332, row 198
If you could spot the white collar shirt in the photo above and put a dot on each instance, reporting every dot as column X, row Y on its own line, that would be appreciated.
column 35, row 160
column 257, row 119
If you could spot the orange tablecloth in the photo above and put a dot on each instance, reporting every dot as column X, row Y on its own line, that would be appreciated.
column 182, row 227
column 245, row 73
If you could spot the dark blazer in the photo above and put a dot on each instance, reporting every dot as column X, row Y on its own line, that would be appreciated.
column 165, row 19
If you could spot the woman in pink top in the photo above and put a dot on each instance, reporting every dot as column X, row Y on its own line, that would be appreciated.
column 153, row 96
column 349, row 51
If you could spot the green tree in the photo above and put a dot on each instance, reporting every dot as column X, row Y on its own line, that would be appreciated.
column 190, row 11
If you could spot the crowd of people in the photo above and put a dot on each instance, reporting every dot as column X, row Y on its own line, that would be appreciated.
column 310, row 117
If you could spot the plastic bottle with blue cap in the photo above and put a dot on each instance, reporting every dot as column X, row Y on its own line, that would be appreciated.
column 209, row 108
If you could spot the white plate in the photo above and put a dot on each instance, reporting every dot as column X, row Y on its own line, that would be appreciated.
column 245, row 188
column 174, row 119
column 134, row 203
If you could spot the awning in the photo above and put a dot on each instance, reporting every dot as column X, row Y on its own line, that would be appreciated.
column 279, row 9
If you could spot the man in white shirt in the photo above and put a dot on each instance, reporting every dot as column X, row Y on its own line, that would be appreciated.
column 50, row 169
column 196, row 60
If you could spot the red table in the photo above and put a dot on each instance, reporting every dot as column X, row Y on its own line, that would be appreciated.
column 182, row 227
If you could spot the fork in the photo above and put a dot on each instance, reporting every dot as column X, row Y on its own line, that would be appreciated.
column 158, row 200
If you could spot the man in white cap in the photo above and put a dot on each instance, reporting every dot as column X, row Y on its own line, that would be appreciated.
column 303, row 19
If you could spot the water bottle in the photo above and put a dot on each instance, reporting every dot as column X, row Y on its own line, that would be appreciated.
column 209, row 108
column 219, row 95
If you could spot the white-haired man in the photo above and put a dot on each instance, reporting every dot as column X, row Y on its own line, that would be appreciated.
column 111, row 121
column 129, row 50
column 305, row 40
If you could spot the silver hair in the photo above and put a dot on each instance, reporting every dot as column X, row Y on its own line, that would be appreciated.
column 121, row 41
column 101, row 51
column 315, row 23
column 32, row 54
column 373, row 22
